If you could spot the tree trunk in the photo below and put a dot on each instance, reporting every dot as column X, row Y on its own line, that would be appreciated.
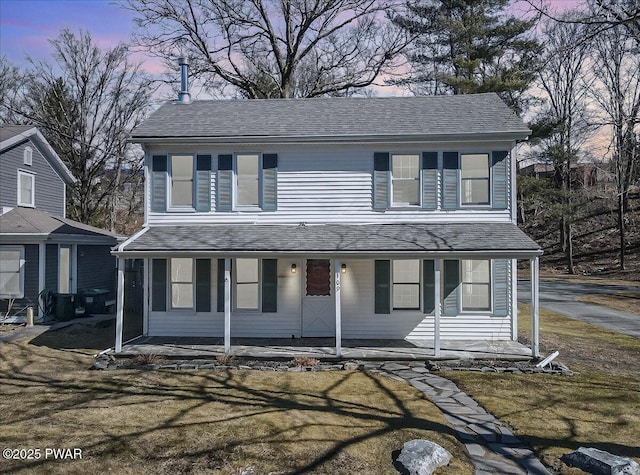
column 621, row 230
column 569, row 252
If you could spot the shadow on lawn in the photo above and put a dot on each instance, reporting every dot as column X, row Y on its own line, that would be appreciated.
column 49, row 383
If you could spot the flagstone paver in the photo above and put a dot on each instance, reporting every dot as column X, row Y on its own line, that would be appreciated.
column 492, row 448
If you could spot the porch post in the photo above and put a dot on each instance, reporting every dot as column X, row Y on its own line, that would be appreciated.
column 41, row 274
column 437, row 310
column 120, row 305
column 337, row 269
column 535, row 322
column 227, row 305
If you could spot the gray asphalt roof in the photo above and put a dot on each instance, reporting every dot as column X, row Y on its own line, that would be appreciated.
column 31, row 221
column 333, row 117
column 336, row 238
column 8, row 131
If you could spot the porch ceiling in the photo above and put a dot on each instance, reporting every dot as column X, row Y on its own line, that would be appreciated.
column 459, row 238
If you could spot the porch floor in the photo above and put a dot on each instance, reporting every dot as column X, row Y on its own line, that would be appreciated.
column 324, row 348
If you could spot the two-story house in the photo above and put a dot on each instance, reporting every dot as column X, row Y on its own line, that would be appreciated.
column 360, row 218
column 40, row 250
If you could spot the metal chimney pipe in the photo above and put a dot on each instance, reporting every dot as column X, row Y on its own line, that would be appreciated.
column 184, row 97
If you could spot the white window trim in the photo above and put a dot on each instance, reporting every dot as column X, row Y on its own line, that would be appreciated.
column 236, row 206
column 21, row 271
column 170, row 283
column 420, row 286
column 33, row 189
column 180, row 208
column 397, row 205
column 487, row 205
column 27, row 156
column 234, row 287
column 462, row 282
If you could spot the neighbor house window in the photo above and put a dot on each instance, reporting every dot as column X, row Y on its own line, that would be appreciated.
column 247, row 284
column 475, row 179
column 181, row 282
column 26, row 189
column 11, row 272
column 406, row 284
column 476, row 284
column 405, row 180
column 247, row 180
column 182, row 181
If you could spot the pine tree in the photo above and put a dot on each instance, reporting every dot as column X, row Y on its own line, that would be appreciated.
column 469, row 46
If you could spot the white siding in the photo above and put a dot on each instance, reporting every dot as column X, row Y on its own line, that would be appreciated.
column 327, row 184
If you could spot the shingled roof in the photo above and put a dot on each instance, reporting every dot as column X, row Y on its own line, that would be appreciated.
column 337, row 238
column 330, row 117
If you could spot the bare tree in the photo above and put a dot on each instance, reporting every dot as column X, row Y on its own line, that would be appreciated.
column 10, row 84
column 617, row 92
column 86, row 103
column 562, row 126
column 274, row 48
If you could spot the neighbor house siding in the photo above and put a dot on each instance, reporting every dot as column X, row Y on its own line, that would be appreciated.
column 326, row 184
column 92, row 258
column 49, row 187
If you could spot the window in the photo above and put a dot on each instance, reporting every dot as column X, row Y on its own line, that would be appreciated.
column 28, row 156
column 26, row 189
column 182, row 181
column 247, row 288
column 247, row 180
column 405, row 172
column 12, row 272
column 181, row 282
column 475, row 179
column 318, row 278
column 476, row 285
column 406, row 284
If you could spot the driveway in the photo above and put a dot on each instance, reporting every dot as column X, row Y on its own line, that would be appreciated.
column 560, row 297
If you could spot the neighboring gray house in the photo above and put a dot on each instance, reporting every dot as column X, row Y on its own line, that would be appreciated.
column 371, row 218
column 39, row 248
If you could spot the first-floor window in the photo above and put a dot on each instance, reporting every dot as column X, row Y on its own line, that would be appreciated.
column 406, row 284
column 476, row 284
column 181, row 282
column 12, row 272
column 247, row 284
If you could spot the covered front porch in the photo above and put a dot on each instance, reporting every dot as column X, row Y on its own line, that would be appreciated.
column 325, row 348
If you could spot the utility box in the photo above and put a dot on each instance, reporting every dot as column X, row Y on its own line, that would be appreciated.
column 95, row 301
column 65, row 307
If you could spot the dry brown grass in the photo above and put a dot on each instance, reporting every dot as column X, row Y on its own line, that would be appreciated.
column 600, row 407
column 161, row 422
column 623, row 301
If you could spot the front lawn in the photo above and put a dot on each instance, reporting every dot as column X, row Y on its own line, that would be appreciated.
column 599, row 407
column 131, row 421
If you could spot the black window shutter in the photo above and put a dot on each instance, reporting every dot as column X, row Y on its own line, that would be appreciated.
column 500, row 174
column 224, row 188
column 159, row 285
column 451, row 287
column 269, row 182
column 203, row 285
column 159, row 183
column 430, row 180
column 269, row 285
column 428, row 285
column 381, row 186
column 450, row 180
column 203, row 183
column 220, row 286
column 382, row 286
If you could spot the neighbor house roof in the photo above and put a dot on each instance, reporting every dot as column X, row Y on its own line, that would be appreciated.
column 27, row 221
column 336, row 239
column 11, row 135
column 346, row 118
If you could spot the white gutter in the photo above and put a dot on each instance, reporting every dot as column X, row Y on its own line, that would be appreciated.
column 129, row 241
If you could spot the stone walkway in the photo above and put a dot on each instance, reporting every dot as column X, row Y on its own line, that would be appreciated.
column 492, row 447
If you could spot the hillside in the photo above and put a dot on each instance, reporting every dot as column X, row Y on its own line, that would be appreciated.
column 595, row 235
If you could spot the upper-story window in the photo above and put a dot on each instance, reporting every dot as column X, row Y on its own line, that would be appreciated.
column 405, row 180
column 247, row 180
column 475, row 179
column 182, row 181
column 26, row 189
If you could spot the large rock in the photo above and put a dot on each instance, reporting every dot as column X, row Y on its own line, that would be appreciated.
column 422, row 457
column 599, row 462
